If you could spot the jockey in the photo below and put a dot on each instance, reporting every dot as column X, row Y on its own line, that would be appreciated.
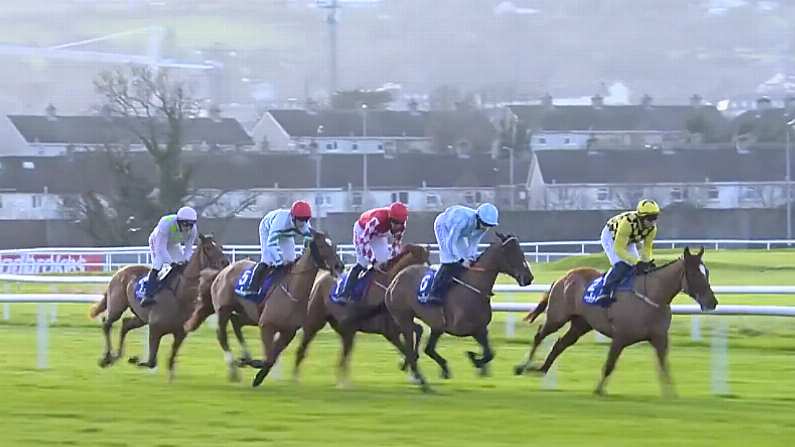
column 276, row 237
column 371, row 239
column 171, row 242
column 620, row 239
column 459, row 230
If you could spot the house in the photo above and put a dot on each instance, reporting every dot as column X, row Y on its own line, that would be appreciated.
column 612, row 180
column 547, row 126
column 375, row 131
column 55, row 135
column 764, row 125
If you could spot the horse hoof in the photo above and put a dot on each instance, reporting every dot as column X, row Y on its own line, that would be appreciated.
column 404, row 366
column 599, row 392
column 234, row 375
column 518, row 370
column 106, row 361
column 483, row 371
column 261, row 374
column 445, row 374
column 133, row 360
column 426, row 388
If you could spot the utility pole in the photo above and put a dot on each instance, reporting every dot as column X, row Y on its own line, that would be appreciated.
column 331, row 20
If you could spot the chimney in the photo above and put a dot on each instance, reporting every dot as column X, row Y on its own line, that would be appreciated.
column 547, row 101
column 414, row 106
column 696, row 100
column 763, row 103
column 597, row 101
column 50, row 112
column 214, row 113
column 646, row 101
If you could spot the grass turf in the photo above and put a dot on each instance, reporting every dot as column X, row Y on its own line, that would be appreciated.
column 75, row 402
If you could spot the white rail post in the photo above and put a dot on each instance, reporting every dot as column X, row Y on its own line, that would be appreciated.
column 212, row 321
column 599, row 338
column 6, row 306
column 720, row 358
column 695, row 328
column 41, row 336
column 510, row 325
column 53, row 306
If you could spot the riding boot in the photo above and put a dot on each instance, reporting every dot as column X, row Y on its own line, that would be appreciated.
column 441, row 282
column 353, row 278
column 613, row 279
column 257, row 276
column 151, row 286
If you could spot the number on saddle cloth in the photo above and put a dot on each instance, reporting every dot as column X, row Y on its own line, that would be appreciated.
column 359, row 291
column 593, row 293
column 142, row 286
column 424, row 288
column 247, row 276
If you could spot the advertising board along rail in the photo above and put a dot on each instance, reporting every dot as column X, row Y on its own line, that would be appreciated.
column 79, row 259
column 719, row 362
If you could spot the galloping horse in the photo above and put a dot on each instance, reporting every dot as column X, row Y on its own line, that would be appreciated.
column 287, row 297
column 467, row 307
column 367, row 315
column 641, row 314
column 175, row 302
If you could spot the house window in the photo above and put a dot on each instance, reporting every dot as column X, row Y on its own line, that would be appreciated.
column 473, row 197
column 36, row 201
column 28, row 165
column 329, row 146
column 356, row 199
column 602, row 194
column 432, row 200
column 355, row 146
column 1, row 201
column 402, row 196
column 713, row 193
column 678, row 194
column 542, row 141
column 567, row 141
column 283, row 201
column 750, row 193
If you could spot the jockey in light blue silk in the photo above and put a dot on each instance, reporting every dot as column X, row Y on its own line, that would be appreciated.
column 459, row 230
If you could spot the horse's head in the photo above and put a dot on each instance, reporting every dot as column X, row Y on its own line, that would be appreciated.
column 512, row 261
column 419, row 254
column 695, row 281
column 324, row 253
column 211, row 253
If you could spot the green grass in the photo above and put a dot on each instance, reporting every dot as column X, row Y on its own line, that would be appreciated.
column 75, row 402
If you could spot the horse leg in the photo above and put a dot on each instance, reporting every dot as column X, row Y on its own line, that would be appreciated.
column 200, row 313
column 549, row 327
column 615, row 351
column 223, row 340
column 660, row 344
column 343, row 369
column 179, row 337
column 237, row 326
column 107, row 327
column 483, row 339
column 406, row 324
column 127, row 325
column 578, row 328
column 310, row 330
column 417, row 337
column 430, row 350
column 155, row 334
column 273, row 348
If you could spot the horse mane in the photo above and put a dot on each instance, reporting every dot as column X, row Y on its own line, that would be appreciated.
column 401, row 261
column 667, row 264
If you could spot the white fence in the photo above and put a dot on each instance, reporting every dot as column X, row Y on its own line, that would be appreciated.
column 78, row 259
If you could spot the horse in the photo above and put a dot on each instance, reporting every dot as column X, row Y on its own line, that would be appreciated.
column 640, row 314
column 367, row 315
column 467, row 306
column 286, row 298
column 175, row 302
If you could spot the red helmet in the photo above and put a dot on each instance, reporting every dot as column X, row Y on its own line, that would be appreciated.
column 301, row 210
column 399, row 212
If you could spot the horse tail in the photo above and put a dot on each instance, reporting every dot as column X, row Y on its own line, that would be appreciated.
column 541, row 307
column 100, row 307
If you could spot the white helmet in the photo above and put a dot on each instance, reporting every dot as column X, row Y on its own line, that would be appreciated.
column 488, row 214
column 187, row 213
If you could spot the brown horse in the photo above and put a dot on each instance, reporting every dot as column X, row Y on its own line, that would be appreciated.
column 367, row 315
column 643, row 314
column 175, row 302
column 286, row 300
column 467, row 306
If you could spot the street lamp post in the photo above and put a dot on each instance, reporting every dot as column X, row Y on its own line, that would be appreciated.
column 788, row 179
column 510, row 174
column 364, row 154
